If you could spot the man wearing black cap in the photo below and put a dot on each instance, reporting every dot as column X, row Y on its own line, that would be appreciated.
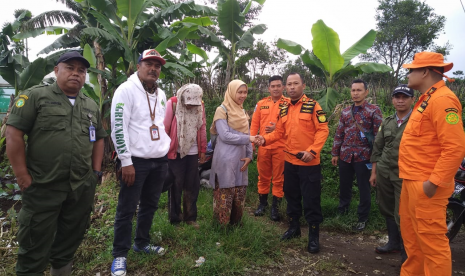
column 60, row 169
column 138, row 133
column 385, row 172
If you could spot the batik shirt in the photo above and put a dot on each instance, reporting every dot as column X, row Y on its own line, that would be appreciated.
column 349, row 143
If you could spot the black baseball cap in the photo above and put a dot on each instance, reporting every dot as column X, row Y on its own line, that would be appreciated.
column 73, row 55
column 403, row 88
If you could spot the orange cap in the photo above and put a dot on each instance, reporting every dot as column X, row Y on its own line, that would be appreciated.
column 428, row 59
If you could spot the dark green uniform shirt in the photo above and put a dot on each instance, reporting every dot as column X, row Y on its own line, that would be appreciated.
column 386, row 148
column 59, row 151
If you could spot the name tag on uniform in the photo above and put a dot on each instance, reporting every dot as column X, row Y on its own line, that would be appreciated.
column 92, row 133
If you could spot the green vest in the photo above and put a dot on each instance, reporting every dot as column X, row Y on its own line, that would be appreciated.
column 59, row 150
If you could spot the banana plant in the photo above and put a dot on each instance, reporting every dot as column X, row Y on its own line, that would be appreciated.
column 231, row 21
column 327, row 62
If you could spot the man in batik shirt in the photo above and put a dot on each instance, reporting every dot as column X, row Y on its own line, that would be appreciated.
column 358, row 125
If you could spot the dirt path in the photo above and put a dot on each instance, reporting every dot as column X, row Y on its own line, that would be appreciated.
column 347, row 254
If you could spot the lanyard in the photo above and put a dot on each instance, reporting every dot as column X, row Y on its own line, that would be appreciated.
column 152, row 114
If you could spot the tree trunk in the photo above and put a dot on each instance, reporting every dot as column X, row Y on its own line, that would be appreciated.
column 108, row 149
column 228, row 72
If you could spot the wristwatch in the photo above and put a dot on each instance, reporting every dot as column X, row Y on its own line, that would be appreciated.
column 99, row 174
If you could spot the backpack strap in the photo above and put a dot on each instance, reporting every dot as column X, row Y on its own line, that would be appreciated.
column 225, row 110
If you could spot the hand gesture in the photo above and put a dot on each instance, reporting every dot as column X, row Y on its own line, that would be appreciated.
column 270, row 128
column 253, row 139
column 306, row 157
column 429, row 188
column 24, row 181
column 128, row 175
column 246, row 163
column 373, row 180
column 334, row 160
column 259, row 140
column 202, row 157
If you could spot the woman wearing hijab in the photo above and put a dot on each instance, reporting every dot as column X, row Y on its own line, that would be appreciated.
column 185, row 124
column 233, row 153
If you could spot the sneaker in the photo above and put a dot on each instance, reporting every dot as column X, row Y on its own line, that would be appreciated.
column 150, row 249
column 360, row 226
column 118, row 267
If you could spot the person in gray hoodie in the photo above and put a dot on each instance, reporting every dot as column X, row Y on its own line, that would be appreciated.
column 138, row 133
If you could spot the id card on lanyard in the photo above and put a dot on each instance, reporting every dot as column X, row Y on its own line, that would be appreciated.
column 154, row 133
column 91, row 129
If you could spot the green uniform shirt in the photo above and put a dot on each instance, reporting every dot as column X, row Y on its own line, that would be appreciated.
column 59, row 151
column 386, row 148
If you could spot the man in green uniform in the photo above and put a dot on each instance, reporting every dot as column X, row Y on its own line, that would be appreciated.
column 60, row 168
column 385, row 172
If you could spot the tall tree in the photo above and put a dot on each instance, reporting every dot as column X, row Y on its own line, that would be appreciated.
column 404, row 27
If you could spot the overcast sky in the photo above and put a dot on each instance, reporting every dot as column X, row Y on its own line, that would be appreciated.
column 293, row 19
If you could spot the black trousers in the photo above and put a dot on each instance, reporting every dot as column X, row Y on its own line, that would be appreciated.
column 346, row 175
column 146, row 191
column 186, row 185
column 303, row 182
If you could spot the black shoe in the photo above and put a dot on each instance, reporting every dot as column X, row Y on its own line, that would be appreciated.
column 403, row 253
column 274, row 216
column 393, row 245
column 342, row 211
column 262, row 206
column 388, row 248
column 292, row 232
column 360, row 226
column 314, row 239
column 260, row 210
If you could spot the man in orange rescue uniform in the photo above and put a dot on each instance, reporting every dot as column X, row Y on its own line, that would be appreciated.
column 303, row 125
column 270, row 161
column 431, row 149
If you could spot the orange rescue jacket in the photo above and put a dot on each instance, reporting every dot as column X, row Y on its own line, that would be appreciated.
column 433, row 144
column 267, row 111
column 304, row 127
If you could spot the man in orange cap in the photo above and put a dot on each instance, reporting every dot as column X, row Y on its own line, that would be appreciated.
column 431, row 149
column 270, row 160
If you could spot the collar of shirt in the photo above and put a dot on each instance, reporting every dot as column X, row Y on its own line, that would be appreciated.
column 362, row 106
column 148, row 89
column 405, row 117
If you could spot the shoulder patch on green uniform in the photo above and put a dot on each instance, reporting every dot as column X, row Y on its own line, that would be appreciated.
column 452, row 118
column 20, row 102
column 455, row 110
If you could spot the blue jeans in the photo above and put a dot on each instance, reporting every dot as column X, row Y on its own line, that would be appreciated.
column 146, row 191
